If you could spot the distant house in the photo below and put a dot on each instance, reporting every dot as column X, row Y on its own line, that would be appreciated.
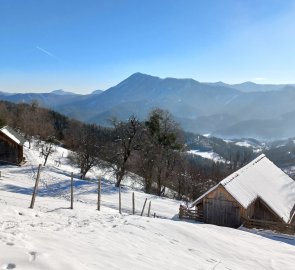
column 11, row 146
column 260, row 191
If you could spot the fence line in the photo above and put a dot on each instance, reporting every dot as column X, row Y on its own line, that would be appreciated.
column 46, row 191
column 270, row 225
column 185, row 213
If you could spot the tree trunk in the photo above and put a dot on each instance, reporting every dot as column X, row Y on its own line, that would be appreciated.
column 147, row 186
column 119, row 179
column 45, row 161
column 120, row 176
column 159, row 186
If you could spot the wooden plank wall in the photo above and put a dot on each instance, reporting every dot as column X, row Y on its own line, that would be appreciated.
column 10, row 151
column 221, row 209
column 262, row 212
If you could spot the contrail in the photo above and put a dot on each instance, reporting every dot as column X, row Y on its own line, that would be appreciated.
column 46, row 52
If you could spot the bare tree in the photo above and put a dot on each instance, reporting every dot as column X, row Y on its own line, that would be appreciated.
column 4, row 114
column 144, row 163
column 33, row 121
column 85, row 160
column 124, row 142
column 88, row 143
column 47, row 148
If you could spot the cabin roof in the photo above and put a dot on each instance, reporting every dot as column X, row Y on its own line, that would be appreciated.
column 261, row 178
column 13, row 135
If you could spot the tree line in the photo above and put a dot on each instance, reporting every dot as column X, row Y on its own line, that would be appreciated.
column 153, row 149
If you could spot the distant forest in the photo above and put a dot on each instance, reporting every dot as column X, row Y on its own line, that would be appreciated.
column 154, row 149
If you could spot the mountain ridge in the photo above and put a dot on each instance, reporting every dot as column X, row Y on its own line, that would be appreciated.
column 215, row 108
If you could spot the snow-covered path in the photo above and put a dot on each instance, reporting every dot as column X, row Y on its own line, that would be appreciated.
column 51, row 236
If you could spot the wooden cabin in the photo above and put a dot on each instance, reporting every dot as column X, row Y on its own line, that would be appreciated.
column 11, row 146
column 260, row 191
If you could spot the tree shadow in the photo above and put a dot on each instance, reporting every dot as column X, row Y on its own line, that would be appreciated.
column 62, row 188
column 59, row 208
column 16, row 189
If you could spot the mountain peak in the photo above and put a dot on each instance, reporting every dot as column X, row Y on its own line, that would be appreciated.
column 61, row 92
column 96, row 92
column 248, row 83
column 140, row 75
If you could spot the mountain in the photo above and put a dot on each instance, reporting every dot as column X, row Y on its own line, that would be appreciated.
column 62, row 92
column 96, row 92
column 217, row 109
column 182, row 97
column 249, row 87
column 254, row 87
column 240, row 110
column 48, row 100
column 6, row 93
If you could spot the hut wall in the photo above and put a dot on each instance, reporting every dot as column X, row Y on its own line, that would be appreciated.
column 20, row 156
column 10, row 151
column 261, row 211
column 247, row 213
column 220, row 208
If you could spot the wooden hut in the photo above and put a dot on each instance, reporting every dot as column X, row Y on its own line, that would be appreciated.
column 11, row 146
column 260, row 192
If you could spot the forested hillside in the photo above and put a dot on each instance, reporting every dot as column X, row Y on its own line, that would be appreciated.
column 156, row 149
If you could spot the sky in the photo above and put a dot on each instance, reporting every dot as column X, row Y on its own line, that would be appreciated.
column 84, row 45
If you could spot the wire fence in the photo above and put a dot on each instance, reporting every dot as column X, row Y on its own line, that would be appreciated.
column 51, row 186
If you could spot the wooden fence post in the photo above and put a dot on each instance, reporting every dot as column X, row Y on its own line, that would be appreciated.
column 149, row 209
column 155, row 215
column 143, row 206
column 120, row 199
column 133, row 203
column 72, row 191
column 35, row 188
column 98, row 194
column 180, row 212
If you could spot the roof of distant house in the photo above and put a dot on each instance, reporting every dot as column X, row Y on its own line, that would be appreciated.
column 13, row 135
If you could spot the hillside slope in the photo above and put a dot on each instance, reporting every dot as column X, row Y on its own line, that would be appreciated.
column 54, row 237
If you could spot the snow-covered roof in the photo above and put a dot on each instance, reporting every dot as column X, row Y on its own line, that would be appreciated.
column 261, row 178
column 9, row 132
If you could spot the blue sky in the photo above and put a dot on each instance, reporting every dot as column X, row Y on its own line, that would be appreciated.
column 83, row 45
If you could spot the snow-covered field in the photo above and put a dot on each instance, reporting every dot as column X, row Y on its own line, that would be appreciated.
column 52, row 236
column 209, row 155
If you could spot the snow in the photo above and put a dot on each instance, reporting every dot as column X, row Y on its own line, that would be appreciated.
column 261, row 178
column 247, row 143
column 209, row 155
column 207, row 135
column 287, row 238
column 228, row 141
column 51, row 236
column 10, row 135
column 244, row 143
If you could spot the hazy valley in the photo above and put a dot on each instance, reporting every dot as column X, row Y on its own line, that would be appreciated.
column 223, row 110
